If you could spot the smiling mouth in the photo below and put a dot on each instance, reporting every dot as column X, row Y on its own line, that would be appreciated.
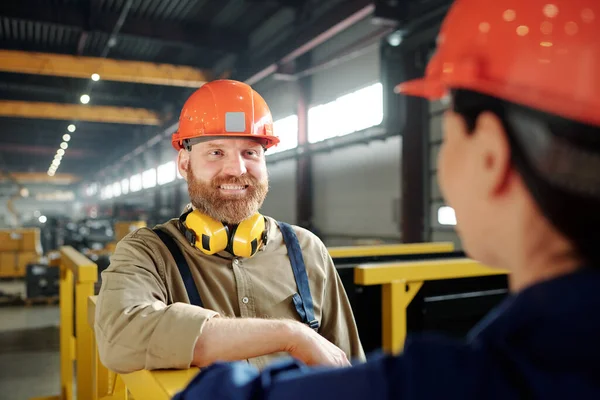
column 233, row 188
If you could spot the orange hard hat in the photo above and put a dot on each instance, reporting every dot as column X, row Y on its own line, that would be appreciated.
column 225, row 108
column 544, row 54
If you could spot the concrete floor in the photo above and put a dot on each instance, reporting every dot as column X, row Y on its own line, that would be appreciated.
column 29, row 349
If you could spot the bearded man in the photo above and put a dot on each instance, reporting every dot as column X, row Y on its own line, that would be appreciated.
column 223, row 282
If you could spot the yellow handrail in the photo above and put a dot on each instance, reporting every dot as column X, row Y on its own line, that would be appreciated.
column 144, row 384
column 400, row 283
column 164, row 384
column 389, row 249
column 77, row 273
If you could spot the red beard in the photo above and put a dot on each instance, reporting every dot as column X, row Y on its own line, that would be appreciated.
column 230, row 209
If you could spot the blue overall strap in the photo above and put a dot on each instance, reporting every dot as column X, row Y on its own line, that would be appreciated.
column 182, row 266
column 302, row 300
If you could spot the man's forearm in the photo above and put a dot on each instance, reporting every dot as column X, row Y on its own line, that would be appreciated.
column 224, row 339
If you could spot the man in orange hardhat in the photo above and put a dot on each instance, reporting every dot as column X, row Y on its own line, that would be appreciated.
column 222, row 281
column 520, row 164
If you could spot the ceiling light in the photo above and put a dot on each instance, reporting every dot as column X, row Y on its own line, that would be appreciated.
column 95, row 77
column 71, row 128
column 60, row 152
column 56, row 162
column 66, row 137
column 85, row 99
column 42, row 219
column 64, row 145
column 50, row 173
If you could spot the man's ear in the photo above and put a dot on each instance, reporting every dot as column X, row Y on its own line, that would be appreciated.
column 183, row 163
column 494, row 151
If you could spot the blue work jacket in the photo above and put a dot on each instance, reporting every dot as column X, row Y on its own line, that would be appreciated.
column 541, row 343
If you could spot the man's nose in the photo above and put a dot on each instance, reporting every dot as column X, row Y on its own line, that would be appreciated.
column 235, row 165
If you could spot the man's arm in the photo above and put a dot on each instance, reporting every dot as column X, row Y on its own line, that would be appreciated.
column 135, row 327
column 338, row 324
column 236, row 339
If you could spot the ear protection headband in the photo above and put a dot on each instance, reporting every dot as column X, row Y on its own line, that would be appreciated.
column 211, row 236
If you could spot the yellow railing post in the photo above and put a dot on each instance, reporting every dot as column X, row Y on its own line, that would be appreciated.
column 401, row 281
column 395, row 298
column 78, row 275
column 104, row 381
column 84, row 341
column 66, row 331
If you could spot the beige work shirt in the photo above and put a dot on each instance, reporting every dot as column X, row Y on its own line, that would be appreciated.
column 144, row 319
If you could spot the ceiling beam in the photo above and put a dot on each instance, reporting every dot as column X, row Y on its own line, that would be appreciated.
column 188, row 34
column 41, row 150
column 111, row 70
column 319, row 31
column 40, row 177
column 118, row 115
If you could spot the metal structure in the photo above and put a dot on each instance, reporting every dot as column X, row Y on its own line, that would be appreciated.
column 149, row 56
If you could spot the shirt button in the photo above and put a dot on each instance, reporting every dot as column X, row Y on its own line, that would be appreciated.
column 236, row 261
column 245, row 300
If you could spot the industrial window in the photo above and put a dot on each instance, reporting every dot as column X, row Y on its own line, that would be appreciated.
column 287, row 130
column 135, row 183
column 125, row 186
column 116, row 189
column 166, row 173
column 149, row 178
column 92, row 189
column 353, row 112
column 106, row 192
column 446, row 216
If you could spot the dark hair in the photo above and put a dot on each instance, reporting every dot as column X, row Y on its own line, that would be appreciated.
column 575, row 214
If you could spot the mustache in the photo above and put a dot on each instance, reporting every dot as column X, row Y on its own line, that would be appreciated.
column 234, row 180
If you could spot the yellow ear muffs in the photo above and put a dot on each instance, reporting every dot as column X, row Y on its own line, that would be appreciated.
column 247, row 237
column 211, row 236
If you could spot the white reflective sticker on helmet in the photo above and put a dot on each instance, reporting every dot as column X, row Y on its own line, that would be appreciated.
column 235, row 122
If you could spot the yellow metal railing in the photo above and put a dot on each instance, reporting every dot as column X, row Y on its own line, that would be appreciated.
column 400, row 283
column 144, row 384
column 77, row 276
column 106, row 384
column 389, row 249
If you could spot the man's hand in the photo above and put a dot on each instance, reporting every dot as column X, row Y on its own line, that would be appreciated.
column 313, row 349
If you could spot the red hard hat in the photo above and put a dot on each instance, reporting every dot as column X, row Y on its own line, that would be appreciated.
column 225, row 108
column 544, row 54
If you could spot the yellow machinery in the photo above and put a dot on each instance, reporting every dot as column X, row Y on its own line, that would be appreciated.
column 18, row 247
column 123, row 228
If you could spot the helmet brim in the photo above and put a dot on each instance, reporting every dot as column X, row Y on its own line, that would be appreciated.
column 266, row 141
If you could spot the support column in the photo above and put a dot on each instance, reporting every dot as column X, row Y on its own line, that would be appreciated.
column 304, row 180
column 408, row 116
